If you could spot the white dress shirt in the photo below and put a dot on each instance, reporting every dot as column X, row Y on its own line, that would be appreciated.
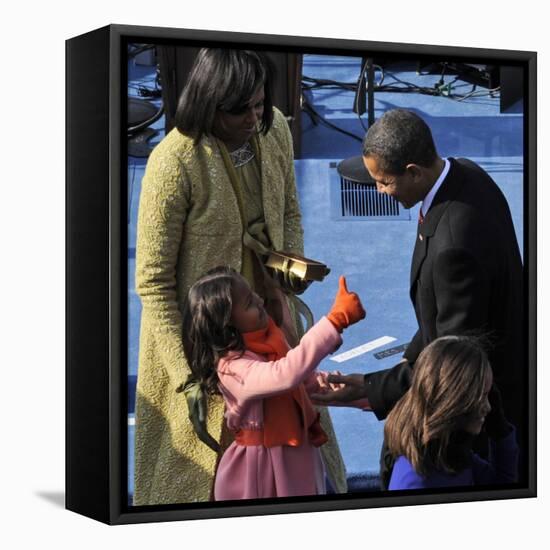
column 427, row 202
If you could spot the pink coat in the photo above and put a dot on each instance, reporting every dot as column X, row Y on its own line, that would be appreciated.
column 257, row 471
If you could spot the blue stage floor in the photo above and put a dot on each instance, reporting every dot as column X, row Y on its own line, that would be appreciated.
column 374, row 255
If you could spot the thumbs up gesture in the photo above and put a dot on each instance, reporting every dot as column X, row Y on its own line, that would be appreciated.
column 347, row 308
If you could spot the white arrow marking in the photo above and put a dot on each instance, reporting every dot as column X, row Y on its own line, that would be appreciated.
column 369, row 346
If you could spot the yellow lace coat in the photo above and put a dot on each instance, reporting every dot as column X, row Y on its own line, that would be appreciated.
column 189, row 222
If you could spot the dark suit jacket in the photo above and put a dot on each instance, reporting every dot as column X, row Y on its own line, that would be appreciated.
column 466, row 277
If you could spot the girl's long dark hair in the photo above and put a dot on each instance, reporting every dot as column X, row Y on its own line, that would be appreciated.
column 223, row 80
column 448, row 384
column 207, row 332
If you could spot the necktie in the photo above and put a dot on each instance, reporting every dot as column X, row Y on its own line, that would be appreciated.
column 420, row 217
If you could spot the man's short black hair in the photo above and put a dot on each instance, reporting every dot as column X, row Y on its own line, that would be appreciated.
column 223, row 80
column 398, row 138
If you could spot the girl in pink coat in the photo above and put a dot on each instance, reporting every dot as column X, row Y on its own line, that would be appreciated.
column 234, row 348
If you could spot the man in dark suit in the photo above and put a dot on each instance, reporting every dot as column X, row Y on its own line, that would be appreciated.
column 466, row 272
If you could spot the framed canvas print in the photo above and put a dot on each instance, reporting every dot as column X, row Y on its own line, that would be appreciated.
column 301, row 274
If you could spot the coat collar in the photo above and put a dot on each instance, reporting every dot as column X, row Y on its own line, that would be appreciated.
column 445, row 195
column 270, row 174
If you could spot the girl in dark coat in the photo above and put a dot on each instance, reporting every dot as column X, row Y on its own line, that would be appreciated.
column 431, row 429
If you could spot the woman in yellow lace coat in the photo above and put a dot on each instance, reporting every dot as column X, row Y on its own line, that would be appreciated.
column 226, row 168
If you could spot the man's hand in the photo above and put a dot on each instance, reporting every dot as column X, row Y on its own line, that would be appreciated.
column 352, row 389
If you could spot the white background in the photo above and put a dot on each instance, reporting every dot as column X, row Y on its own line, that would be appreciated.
column 32, row 273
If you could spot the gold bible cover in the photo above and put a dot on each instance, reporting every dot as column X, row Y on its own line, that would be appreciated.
column 304, row 268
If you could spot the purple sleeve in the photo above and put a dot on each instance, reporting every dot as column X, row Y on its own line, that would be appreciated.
column 502, row 466
column 404, row 476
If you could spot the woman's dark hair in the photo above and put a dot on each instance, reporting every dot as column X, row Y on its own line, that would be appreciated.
column 223, row 80
column 207, row 332
column 447, row 385
column 398, row 138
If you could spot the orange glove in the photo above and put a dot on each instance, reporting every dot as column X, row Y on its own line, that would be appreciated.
column 347, row 308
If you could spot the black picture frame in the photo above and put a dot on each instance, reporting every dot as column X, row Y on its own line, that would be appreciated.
column 96, row 352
